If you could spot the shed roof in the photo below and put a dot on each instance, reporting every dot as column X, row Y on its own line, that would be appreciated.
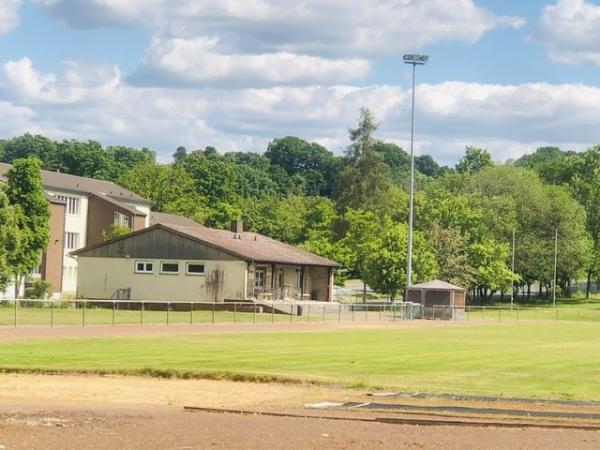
column 437, row 285
column 59, row 180
column 247, row 246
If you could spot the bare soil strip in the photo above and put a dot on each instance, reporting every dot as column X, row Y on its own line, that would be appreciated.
column 91, row 412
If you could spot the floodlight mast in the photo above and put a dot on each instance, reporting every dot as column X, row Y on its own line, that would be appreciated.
column 415, row 60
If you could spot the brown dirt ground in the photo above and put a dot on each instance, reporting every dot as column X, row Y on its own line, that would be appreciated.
column 96, row 412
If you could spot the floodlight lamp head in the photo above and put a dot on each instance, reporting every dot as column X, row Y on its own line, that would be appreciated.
column 415, row 59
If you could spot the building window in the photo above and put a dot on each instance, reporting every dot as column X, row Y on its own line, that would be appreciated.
column 71, row 241
column 299, row 278
column 73, row 204
column 121, row 219
column 195, row 269
column 144, row 267
column 169, row 268
column 259, row 278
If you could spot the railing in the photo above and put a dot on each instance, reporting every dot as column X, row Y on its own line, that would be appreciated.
column 84, row 312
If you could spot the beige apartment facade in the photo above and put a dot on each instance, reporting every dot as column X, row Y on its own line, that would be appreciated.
column 81, row 209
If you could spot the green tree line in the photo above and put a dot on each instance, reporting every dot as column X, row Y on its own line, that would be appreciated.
column 353, row 207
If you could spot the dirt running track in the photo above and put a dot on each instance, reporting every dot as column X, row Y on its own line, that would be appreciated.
column 92, row 412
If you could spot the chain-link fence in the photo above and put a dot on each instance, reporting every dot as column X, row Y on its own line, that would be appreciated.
column 18, row 313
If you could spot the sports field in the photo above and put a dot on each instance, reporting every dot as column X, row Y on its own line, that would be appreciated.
column 544, row 360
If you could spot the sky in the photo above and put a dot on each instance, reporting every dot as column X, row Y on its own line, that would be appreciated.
column 507, row 75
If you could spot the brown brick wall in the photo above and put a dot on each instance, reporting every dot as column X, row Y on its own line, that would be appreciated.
column 318, row 283
column 101, row 216
column 52, row 259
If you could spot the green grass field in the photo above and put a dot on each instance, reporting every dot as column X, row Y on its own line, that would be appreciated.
column 543, row 360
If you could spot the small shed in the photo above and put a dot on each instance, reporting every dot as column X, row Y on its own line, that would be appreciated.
column 439, row 300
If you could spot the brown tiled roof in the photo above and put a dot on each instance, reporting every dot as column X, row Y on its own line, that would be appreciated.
column 253, row 246
column 58, row 180
column 437, row 285
column 170, row 219
column 132, row 209
column 246, row 246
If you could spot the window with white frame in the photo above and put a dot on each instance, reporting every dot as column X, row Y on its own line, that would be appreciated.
column 71, row 241
column 144, row 267
column 73, row 204
column 121, row 219
column 169, row 268
column 195, row 269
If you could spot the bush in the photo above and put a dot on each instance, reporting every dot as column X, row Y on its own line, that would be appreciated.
column 39, row 289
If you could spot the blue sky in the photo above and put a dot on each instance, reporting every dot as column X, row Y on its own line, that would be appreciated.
column 507, row 75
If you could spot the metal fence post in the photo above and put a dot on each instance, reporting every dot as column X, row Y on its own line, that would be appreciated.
column 308, row 314
column 253, row 314
column 213, row 313
column 323, row 313
column 517, row 309
column 113, row 313
column 234, row 312
column 499, row 314
column 366, row 313
column 292, row 312
column 556, row 313
column 83, row 315
column 272, row 312
column 52, row 314
column 168, row 307
column 535, row 311
column 339, row 312
column 142, row 314
column 191, row 313
column 16, row 306
column 353, row 308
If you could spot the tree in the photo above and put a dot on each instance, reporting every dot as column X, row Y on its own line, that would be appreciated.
column 586, row 188
column 114, row 231
column 180, row 154
column 364, row 180
column 29, row 146
column 428, row 166
column 24, row 192
column 490, row 261
column 475, row 160
column 450, row 250
column 9, row 238
column 387, row 258
column 360, row 240
column 316, row 165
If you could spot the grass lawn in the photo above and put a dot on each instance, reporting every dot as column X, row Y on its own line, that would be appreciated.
column 544, row 360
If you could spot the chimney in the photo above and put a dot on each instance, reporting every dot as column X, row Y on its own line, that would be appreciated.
column 237, row 226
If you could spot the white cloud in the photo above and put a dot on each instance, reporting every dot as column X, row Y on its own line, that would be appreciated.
column 570, row 31
column 9, row 15
column 507, row 119
column 333, row 28
column 198, row 61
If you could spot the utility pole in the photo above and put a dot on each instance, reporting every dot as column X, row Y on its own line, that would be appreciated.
column 414, row 60
column 555, row 267
column 512, row 281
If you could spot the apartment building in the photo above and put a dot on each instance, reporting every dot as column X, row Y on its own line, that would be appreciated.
column 81, row 209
